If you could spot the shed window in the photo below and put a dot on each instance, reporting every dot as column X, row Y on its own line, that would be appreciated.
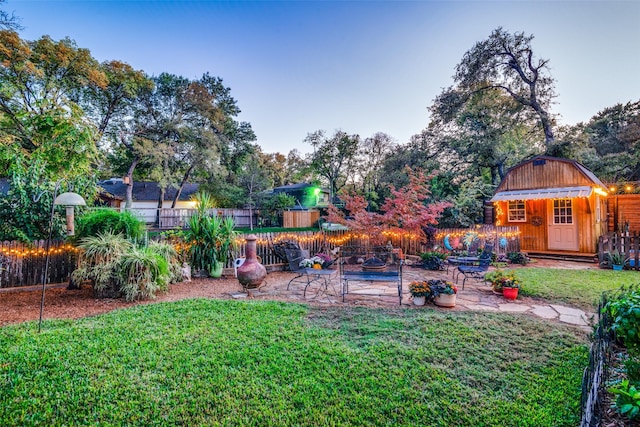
column 562, row 211
column 517, row 211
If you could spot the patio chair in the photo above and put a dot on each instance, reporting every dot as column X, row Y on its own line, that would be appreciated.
column 477, row 271
column 306, row 276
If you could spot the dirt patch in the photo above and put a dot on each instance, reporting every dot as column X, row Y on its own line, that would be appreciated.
column 24, row 305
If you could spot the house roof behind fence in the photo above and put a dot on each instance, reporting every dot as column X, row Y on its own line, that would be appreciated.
column 147, row 191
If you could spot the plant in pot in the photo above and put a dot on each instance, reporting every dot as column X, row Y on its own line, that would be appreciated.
column 420, row 291
column 443, row 292
column 510, row 285
column 617, row 260
column 226, row 244
column 497, row 278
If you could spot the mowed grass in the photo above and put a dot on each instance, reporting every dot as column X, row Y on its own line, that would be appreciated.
column 249, row 363
column 581, row 288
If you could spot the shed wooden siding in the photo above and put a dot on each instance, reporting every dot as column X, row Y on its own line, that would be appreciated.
column 535, row 238
column 553, row 173
column 623, row 208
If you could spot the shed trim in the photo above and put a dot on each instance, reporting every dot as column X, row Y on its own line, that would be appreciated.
column 543, row 193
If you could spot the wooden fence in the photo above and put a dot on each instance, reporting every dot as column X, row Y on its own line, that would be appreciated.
column 23, row 265
column 300, row 219
column 503, row 239
column 624, row 243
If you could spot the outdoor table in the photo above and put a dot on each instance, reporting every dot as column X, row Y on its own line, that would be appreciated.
column 462, row 260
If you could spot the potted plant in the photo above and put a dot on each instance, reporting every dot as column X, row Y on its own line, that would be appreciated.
column 316, row 262
column 617, row 260
column 419, row 290
column 443, row 292
column 498, row 278
column 226, row 244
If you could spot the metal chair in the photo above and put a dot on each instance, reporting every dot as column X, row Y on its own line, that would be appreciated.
column 477, row 271
column 306, row 276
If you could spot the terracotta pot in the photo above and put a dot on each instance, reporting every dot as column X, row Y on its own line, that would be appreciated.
column 510, row 293
column 445, row 300
column 251, row 273
column 419, row 300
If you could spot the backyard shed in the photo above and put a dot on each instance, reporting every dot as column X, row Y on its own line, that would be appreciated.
column 558, row 205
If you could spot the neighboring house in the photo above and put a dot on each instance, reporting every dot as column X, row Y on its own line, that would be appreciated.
column 306, row 195
column 145, row 197
column 558, row 205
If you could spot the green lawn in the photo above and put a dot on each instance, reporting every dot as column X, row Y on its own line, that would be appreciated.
column 581, row 288
column 212, row 362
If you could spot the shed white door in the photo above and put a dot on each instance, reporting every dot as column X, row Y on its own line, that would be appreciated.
column 563, row 227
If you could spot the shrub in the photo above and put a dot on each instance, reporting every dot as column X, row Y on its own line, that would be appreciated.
column 624, row 312
column 518, row 258
column 98, row 262
column 99, row 221
column 116, row 267
column 433, row 260
column 142, row 272
column 628, row 398
column 500, row 279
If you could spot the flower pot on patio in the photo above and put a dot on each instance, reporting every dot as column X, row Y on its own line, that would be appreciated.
column 419, row 300
column 445, row 300
column 618, row 267
column 510, row 293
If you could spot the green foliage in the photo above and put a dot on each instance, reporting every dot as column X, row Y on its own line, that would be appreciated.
column 624, row 313
column 433, row 260
column 500, row 279
column 99, row 258
column 273, row 206
column 615, row 258
column 99, row 221
column 210, row 239
column 628, row 398
column 203, row 362
column 142, row 272
column 518, row 258
column 115, row 266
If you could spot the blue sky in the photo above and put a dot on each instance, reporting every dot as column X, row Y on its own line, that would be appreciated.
column 364, row 67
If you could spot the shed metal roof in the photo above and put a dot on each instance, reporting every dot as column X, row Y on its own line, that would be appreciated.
column 543, row 193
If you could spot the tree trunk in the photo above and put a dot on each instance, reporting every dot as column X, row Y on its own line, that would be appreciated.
column 185, row 178
column 129, row 192
column 159, row 210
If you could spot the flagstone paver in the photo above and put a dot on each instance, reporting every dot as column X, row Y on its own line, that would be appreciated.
column 544, row 311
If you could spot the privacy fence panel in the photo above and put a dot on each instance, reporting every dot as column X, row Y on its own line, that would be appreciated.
column 23, row 264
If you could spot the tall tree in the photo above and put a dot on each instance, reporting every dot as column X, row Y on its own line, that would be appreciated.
column 373, row 153
column 506, row 62
column 334, row 157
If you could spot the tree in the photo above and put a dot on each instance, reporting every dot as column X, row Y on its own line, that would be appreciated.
column 38, row 81
column 406, row 211
column 8, row 21
column 374, row 151
column 334, row 157
column 506, row 62
column 44, row 136
column 491, row 130
column 254, row 179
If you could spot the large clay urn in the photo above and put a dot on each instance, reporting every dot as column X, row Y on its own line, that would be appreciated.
column 251, row 273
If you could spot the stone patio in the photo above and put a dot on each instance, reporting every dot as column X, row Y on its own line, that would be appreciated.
column 476, row 296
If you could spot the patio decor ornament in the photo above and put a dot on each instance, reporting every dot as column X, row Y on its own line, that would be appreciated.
column 251, row 273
